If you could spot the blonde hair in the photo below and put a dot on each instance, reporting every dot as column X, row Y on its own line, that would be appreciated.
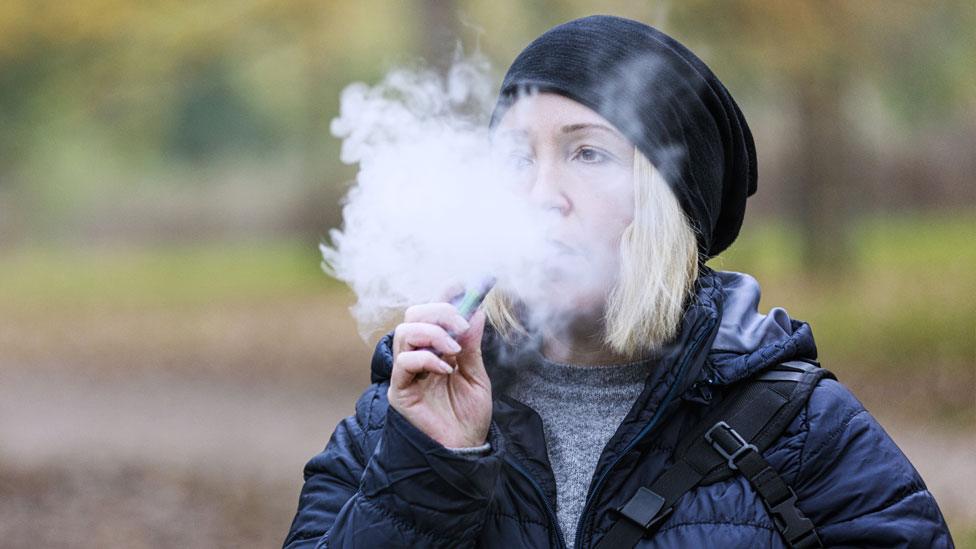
column 658, row 269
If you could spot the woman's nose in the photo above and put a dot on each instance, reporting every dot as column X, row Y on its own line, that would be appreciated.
column 548, row 192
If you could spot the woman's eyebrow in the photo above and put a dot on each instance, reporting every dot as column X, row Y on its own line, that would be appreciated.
column 516, row 136
column 590, row 126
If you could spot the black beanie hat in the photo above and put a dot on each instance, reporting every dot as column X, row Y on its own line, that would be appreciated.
column 660, row 96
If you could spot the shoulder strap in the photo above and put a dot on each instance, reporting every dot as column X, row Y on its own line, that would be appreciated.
column 727, row 441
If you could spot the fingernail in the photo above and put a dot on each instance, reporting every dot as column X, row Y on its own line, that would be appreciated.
column 454, row 346
column 463, row 324
column 447, row 369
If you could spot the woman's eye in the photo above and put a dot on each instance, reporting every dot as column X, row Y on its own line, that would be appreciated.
column 520, row 161
column 589, row 155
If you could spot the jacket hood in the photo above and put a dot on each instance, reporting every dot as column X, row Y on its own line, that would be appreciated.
column 740, row 343
column 747, row 340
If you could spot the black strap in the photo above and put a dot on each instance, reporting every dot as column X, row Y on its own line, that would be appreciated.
column 719, row 446
column 779, row 498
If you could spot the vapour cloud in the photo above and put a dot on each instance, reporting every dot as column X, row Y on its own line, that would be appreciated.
column 434, row 206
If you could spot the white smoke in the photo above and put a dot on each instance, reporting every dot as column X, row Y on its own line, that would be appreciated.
column 433, row 207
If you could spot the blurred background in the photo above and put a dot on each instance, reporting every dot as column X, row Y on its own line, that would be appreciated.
column 171, row 353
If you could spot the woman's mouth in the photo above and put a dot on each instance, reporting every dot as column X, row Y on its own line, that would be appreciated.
column 561, row 248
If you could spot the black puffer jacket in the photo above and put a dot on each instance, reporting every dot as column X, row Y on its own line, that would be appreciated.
column 383, row 483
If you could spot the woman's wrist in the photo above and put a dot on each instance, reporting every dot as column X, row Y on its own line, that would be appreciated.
column 472, row 451
column 452, row 489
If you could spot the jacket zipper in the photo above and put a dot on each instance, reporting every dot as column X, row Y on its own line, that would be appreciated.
column 542, row 496
column 647, row 428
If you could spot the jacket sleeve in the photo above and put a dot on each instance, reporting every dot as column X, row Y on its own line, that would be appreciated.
column 855, row 483
column 409, row 491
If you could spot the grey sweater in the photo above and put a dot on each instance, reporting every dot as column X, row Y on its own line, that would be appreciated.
column 581, row 407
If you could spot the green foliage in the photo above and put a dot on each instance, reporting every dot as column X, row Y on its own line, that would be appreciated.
column 908, row 298
column 965, row 539
column 169, row 276
column 919, row 55
column 213, row 119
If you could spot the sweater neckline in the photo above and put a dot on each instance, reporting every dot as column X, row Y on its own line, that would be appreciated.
column 610, row 366
column 561, row 374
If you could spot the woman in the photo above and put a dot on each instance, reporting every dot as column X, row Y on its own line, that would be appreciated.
column 537, row 423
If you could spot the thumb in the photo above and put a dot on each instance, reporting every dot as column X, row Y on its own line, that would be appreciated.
column 470, row 340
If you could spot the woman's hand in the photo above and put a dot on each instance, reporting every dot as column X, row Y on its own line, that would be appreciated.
column 447, row 397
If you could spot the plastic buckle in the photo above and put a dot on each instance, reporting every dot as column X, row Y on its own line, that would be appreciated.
column 645, row 508
column 797, row 528
column 742, row 447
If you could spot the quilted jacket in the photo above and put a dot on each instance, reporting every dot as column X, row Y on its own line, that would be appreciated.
column 381, row 482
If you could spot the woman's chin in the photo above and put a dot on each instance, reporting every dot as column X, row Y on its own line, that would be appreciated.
column 562, row 297
column 563, row 289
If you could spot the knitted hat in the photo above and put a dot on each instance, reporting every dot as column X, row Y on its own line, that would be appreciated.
column 661, row 97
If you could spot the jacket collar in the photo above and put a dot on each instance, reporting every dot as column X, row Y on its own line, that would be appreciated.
column 722, row 339
column 748, row 341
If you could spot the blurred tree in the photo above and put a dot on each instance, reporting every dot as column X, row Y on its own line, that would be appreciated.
column 101, row 92
column 211, row 117
column 130, row 82
column 439, row 30
column 818, row 51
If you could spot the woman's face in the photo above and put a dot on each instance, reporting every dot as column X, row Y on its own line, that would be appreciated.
column 578, row 170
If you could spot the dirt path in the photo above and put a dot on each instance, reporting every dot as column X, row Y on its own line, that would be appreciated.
column 215, row 429
column 263, row 437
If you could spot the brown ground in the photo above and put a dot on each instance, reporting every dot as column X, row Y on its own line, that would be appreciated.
column 190, row 428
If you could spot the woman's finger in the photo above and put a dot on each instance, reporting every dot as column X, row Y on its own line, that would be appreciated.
column 470, row 359
column 470, row 339
column 411, row 336
column 442, row 314
column 410, row 364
